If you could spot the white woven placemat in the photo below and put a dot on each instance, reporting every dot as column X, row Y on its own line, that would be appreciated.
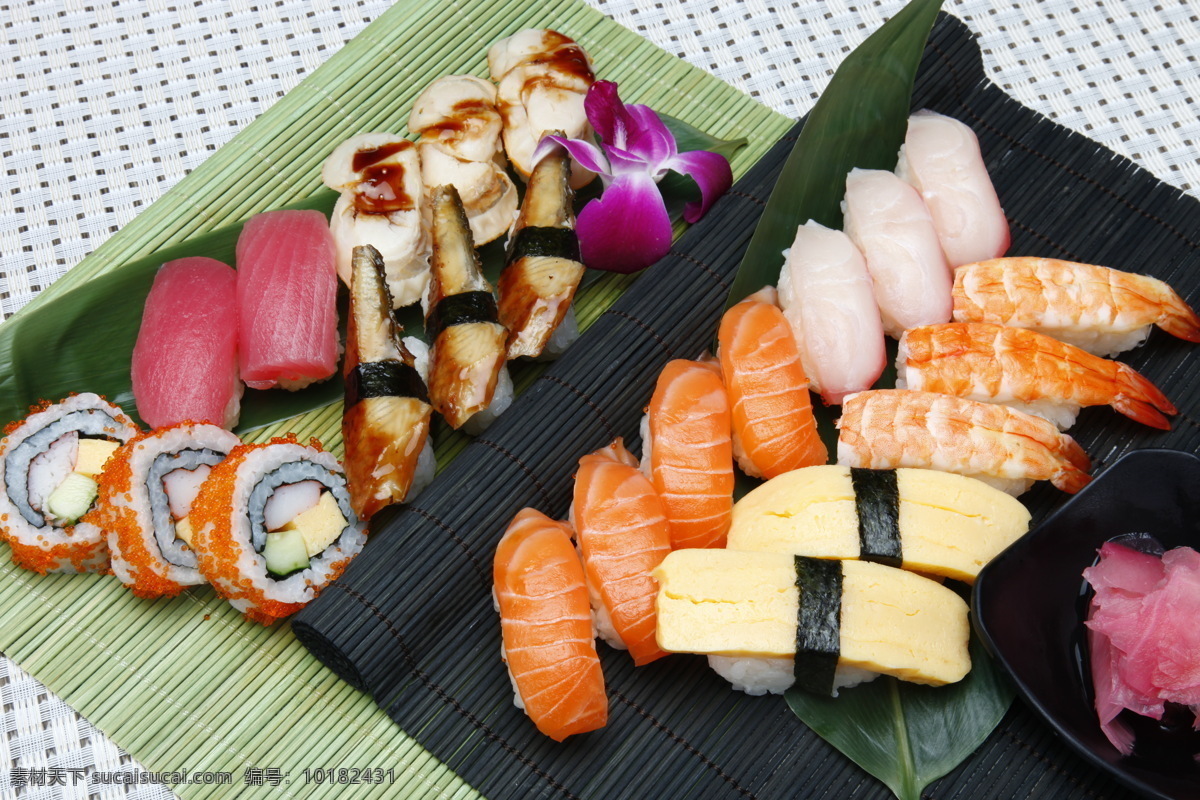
column 105, row 104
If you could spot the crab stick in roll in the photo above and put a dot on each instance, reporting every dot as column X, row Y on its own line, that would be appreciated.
column 49, row 465
column 272, row 526
column 146, row 495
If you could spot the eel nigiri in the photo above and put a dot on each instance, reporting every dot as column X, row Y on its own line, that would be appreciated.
column 940, row 157
column 889, row 223
column 287, row 300
column 382, row 204
column 542, row 268
column 825, row 293
column 543, row 77
column 1008, row 449
column 548, row 644
column 1025, row 370
column 185, row 360
column 768, row 620
column 467, row 377
column 774, row 430
column 385, row 425
column 460, row 127
column 1101, row 310
column 687, row 452
column 623, row 535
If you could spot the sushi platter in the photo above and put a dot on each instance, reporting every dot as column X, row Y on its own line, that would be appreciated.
column 406, row 633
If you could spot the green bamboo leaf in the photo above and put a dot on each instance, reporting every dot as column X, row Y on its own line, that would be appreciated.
column 689, row 137
column 907, row 735
column 82, row 339
column 859, row 121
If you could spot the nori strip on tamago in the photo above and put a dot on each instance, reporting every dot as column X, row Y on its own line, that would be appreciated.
column 536, row 241
column 877, row 503
column 384, row 379
column 461, row 309
column 818, row 624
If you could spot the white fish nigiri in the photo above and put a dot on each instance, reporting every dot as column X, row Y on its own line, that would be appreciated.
column 826, row 295
column 887, row 220
column 940, row 157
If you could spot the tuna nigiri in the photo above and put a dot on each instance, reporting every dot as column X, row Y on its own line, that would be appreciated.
column 468, row 381
column 889, row 223
column 940, row 157
column 826, row 295
column 687, row 451
column 623, row 534
column 287, row 300
column 185, row 363
column 774, row 430
column 546, row 627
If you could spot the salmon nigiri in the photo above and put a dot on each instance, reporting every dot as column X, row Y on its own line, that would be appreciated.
column 774, row 430
column 547, row 628
column 623, row 534
column 687, row 452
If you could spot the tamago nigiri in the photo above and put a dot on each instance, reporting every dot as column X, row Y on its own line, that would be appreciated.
column 774, row 430
column 623, row 535
column 687, row 451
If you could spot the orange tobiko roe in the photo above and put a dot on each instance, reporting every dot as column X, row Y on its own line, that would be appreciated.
column 219, row 551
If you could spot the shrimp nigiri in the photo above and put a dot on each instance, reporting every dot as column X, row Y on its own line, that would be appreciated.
column 825, row 293
column 687, row 452
column 1102, row 310
column 940, row 157
column 774, row 430
column 890, row 428
column 1025, row 370
column 623, row 534
column 546, row 625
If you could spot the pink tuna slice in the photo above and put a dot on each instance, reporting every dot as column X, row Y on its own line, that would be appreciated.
column 1145, row 646
column 185, row 359
column 287, row 295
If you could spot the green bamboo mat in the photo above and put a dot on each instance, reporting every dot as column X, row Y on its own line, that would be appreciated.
column 186, row 684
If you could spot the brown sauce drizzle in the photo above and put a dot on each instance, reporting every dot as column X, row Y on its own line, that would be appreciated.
column 381, row 190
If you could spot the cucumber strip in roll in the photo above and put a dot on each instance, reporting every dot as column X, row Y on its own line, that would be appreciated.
column 764, row 617
column 935, row 523
column 262, row 572
column 49, row 465
column 146, row 495
column 542, row 269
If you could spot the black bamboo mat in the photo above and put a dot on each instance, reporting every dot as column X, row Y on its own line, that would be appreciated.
column 412, row 620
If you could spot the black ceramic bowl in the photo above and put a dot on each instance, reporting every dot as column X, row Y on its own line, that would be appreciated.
column 1030, row 603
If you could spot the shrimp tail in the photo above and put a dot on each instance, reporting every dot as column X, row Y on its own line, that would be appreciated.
column 1070, row 479
column 1140, row 400
column 1178, row 318
column 1069, row 450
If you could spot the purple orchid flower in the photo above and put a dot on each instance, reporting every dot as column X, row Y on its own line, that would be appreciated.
column 628, row 228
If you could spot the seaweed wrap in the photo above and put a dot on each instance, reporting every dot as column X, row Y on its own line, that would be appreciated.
column 49, row 463
column 146, row 496
column 272, row 526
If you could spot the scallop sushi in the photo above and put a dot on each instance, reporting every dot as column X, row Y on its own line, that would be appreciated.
column 272, row 526
column 146, row 497
column 49, row 465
